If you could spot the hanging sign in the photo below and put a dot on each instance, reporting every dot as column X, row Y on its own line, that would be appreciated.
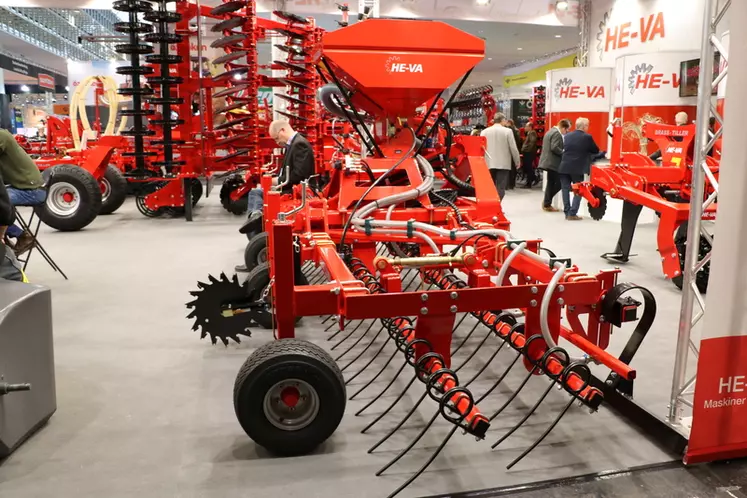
column 46, row 81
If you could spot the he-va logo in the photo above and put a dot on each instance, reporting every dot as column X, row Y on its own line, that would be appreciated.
column 646, row 29
column 565, row 89
column 643, row 77
column 393, row 65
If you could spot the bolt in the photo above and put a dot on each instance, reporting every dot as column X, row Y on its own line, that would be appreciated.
column 534, row 290
column 454, row 295
column 674, row 255
column 528, row 278
column 495, row 219
column 453, row 309
column 423, row 310
column 580, row 403
column 336, row 291
column 424, row 297
column 663, row 258
column 602, row 319
column 561, row 301
column 609, row 382
column 533, row 303
column 561, row 288
column 484, row 263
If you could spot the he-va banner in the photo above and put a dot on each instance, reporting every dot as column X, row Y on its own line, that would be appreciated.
column 621, row 27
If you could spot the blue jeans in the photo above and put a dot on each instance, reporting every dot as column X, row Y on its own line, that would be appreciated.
column 255, row 200
column 19, row 197
column 565, row 186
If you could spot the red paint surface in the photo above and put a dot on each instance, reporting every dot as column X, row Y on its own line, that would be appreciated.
column 635, row 115
column 598, row 122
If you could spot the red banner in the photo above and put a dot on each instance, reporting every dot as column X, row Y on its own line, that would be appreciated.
column 46, row 81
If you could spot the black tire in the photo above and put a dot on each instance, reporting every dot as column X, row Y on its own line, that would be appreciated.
column 264, row 374
column 256, row 282
column 256, row 251
column 703, row 276
column 61, row 215
column 113, row 190
column 233, row 206
column 197, row 190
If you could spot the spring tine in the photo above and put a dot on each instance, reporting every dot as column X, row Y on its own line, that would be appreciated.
column 526, row 416
column 516, row 393
column 365, row 332
column 466, row 338
column 500, row 379
column 409, row 446
column 544, row 434
column 360, row 322
column 426, row 464
column 376, row 398
column 415, row 275
column 458, row 324
column 472, row 355
column 330, row 327
column 389, row 408
column 329, row 317
column 362, row 352
column 399, row 424
column 373, row 379
column 318, row 279
column 485, row 366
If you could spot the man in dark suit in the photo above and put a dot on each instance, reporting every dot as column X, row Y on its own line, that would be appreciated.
column 298, row 162
column 579, row 150
column 552, row 153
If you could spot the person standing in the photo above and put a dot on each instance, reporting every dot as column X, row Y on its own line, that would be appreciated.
column 552, row 153
column 579, row 149
column 500, row 150
column 514, row 165
column 680, row 119
column 529, row 154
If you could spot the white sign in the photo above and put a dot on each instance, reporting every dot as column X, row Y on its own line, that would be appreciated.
column 621, row 27
column 651, row 79
column 579, row 89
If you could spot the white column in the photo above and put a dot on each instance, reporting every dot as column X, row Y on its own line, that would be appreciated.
column 278, row 104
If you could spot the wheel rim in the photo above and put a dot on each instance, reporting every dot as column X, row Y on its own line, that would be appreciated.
column 106, row 189
column 63, row 199
column 291, row 404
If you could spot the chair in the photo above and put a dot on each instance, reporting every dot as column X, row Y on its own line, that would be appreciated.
column 26, row 226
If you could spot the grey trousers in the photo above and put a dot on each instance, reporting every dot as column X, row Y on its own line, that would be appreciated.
column 500, row 178
column 10, row 268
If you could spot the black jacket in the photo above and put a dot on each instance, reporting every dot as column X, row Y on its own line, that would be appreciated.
column 578, row 150
column 300, row 156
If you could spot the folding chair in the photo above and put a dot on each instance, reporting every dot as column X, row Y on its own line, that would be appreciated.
column 26, row 226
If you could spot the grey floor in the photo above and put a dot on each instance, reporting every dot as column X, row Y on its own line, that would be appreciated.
column 145, row 407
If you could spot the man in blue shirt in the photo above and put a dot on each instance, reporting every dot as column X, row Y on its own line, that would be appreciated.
column 579, row 150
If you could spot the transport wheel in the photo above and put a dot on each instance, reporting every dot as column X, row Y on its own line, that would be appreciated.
column 233, row 206
column 197, row 190
column 289, row 396
column 256, row 282
column 113, row 190
column 680, row 242
column 73, row 198
column 256, row 251
column 597, row 213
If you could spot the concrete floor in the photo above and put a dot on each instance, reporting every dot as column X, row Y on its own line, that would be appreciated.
column 145, row 407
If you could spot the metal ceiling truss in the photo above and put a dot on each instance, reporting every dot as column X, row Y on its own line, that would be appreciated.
column 59, row 31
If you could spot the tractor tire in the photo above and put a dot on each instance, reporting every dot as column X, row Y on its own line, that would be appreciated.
column 73, row 199
column 256, row 282
column 256, row 251
column 289, row 397
column 233, row 206
column 680, row 243
column 113, row 190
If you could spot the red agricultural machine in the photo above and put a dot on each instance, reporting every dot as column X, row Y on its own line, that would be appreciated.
column 641, row 182
column 380, row 242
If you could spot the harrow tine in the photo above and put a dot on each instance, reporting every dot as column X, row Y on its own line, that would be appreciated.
column 318, row 278
column 389, row 408
column 370, row 326
column 369, row 364
column 427, row 463
column 466, row 338
column 360, row 322
column 415, row 274
column 329, row 317
column 500, row 379
column 526, row 416
column 330, row 327
column 399, row 424
column 376, row 398
column 516, row 393
column 472, row 355
column 364, row 349
column 410, row 446
column 574, row 395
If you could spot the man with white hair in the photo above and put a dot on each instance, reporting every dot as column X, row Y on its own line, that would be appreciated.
column 298, row 161
column 579, row 149
column 680, row 119
column 500, row 150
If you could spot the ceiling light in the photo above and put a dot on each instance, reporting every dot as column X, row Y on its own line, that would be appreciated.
column 561, row 5
column 558, row 36
column 490, row 58
column 519, row 48
column 482, row 2
column 25, row 88
column 67, row 88
column 490, row 81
